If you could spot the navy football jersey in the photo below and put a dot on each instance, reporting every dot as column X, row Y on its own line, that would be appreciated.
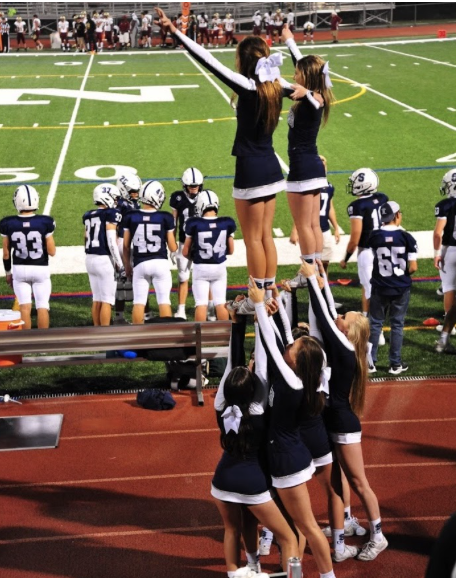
column 125, row 206
column 327, row 194
column 446, row 208
column 148, row 231
column 185, row 207
column 27, row 236
column 392, row 248
column 209, row 238
column 367, row 208
column 95, row 222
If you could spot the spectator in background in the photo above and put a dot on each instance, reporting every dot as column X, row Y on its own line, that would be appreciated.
column 335, row 22
column 395, row 259
column 134, row 30
column 192, row 26
column 80, row 34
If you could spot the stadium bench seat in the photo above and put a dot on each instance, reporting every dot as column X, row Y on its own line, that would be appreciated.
column 199, row 340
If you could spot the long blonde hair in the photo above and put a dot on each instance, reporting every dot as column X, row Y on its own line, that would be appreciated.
column 249, row 51
column 358, row 335
column 311, row 69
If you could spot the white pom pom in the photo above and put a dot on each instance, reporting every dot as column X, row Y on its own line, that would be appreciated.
column 6, row 398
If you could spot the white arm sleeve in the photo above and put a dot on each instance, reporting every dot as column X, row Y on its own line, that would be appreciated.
column 262, row 394
column 285, row 321
column 219, row 399
column 113, row 247
column 232, row 79
column 268, row 336
column 329, row 296
column 291, row 45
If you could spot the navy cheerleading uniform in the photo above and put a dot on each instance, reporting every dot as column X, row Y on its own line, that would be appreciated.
column 290, row 461
column 307, row 172
column 340, row 420
column 257, row 169
column 236, row 479
column 312, row 427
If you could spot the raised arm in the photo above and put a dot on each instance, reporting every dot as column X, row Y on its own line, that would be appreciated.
column 262, row 392
column 326, row 323
column 236, row 357
column 233, row 80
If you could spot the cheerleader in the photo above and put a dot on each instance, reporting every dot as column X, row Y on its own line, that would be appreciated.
column 258, row 176
column 295, row 393
column 346, row 341
column 240, row 485
column 307, row 172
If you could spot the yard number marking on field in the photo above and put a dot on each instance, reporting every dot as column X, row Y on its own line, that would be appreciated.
column 67, row 141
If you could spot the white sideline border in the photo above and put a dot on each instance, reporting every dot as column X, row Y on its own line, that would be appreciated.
column 355, row 44
column 71, row 259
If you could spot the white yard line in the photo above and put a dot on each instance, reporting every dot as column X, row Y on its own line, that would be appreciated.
column 413, row 56
column 67, row 141
column 404, row 105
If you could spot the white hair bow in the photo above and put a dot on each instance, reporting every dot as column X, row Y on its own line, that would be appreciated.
column 325, row 72
column 232, row 417
column 325, row 378
column 267, row 69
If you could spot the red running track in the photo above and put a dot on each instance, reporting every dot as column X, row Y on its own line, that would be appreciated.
column 126, row 493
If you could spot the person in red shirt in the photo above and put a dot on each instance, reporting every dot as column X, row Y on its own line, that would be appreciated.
column 335, row 22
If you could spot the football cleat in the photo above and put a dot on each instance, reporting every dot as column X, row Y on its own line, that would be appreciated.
column 105, row 194
column 207, row 200
column 448, row 183
column 26, row 198
column 153, row 194
column 362, row 182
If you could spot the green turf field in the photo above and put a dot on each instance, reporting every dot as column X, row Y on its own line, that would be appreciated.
column 395, row 112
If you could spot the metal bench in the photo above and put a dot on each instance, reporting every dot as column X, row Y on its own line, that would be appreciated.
column 208, row 339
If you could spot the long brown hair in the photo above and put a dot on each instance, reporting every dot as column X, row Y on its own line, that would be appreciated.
column 249, row 51
column 239, row 389
column 310, row 68
column 358, row 335
column 309, row 362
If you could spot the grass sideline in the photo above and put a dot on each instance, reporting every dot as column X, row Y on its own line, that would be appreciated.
column 418, row 346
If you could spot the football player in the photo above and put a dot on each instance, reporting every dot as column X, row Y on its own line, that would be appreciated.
column 150, row 234
column 364, row 218
column 63, row 29
column 182, row 204
column 444, row 244
column 308, row 30
column 20, row 27
column 229, row 27
column 209, row 239
column 27, row 244
column 102, row 254
column 129, row 186
column 36, row 25
column 216, row 24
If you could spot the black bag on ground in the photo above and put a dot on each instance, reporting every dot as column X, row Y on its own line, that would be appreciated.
column 156, row 399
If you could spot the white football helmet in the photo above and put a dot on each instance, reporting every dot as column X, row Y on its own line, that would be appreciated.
column 129, row 185
column 206, row 200
column 362, row 182
column 192, row 177
column 105, row 194
column 153, row 194
column 26, row 198
column 448, row 183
